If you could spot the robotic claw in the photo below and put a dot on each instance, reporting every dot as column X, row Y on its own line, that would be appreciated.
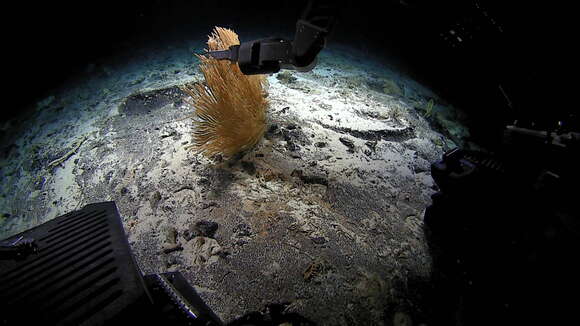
column 266, row 56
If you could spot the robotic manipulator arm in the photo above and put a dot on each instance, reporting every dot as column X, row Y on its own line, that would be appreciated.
column 266, row 56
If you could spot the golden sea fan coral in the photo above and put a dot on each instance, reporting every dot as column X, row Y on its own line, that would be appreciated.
column 230, row 107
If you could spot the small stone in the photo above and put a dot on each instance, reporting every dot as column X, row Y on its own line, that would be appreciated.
column 187, row 235
column 292, row 147
column 297, row 173
column 208, row 205
column 203, row 182
column 168, row 248
column 286, row 77
column 171, row 235
column 205, row 251
column 372, row 144
column 218, row 158
column 319, row 240
column 172, row 260
column 348, row 143
column 268, row 175
column 124, row 191
column 204, row 228
column 314, row 179
column 241, row 242
column 320, row 144
column 249, row 167
column 313, row 270
column 223, row 253
column 242, row 230
column 155, row 199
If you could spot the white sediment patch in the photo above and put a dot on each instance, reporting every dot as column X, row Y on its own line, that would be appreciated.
column 64, row 190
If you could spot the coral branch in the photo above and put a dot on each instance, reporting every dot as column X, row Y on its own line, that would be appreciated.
column 230, row 107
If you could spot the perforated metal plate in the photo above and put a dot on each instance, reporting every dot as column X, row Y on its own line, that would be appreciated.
column 83, row 273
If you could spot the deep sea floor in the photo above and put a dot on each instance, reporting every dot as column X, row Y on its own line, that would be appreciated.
column 325, row 213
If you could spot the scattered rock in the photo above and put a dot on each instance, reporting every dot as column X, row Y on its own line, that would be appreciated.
column 286, row 77
column 398, row 135
column 172, row 260
column 320, row 144
column 208, row 205
column 169, row 248
column 273, row 128
column 188, row 235
column 240, row 242
column 315, row 179
column 297, row 173
column 218, row 158
column 186, row 187
column 205, row 251
column 292, row 147
column 372, row 144
column 348, row 143
column 203, row 181
column 314, row 269
column 171, row 134
column 270, row 175
column 243, row 230
column 155, row 199
column 319, row 240
column 170, row 235
column 309, row 179
column 204, row 228
column 249, row 167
